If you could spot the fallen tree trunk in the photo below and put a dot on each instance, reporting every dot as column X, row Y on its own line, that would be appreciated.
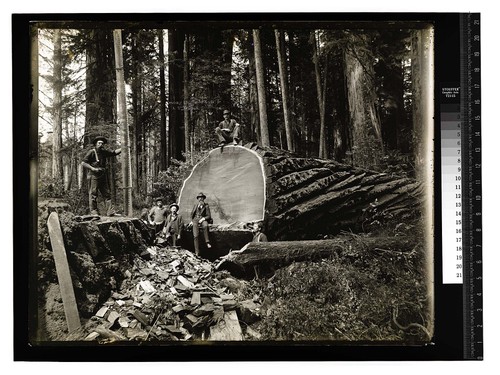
column 297, row 198
column 263, row 258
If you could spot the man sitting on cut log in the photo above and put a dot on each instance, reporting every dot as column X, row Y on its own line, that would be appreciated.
column 95, row 162
column 228, row 130
column 200, row 216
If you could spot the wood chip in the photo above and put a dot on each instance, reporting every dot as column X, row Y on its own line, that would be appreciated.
column 123, row 322
column 91, row 336
column 146, row 285
column 185, row 282
column 147, row 271
column 191, row 318
column 102, row 311
column 178, row 308
column 113, row 316
column 141, row 317
column 164, row 275
column 196, row 298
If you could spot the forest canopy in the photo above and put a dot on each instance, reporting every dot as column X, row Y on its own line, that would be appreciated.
column 356, row 96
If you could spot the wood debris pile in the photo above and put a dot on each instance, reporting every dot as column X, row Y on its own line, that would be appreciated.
column 169, row 294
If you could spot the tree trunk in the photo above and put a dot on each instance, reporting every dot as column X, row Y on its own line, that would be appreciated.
column 320, row 95
column 57, row 162
column 280, row 49
column 137, row 145
column 254, row 101
column 163, row 117
column 71, row 169
column 264, row 132
column 175, row 72
column 265, row 257
column 123, row 125
column 100, row 86
column 367, row 143
column 187, row 145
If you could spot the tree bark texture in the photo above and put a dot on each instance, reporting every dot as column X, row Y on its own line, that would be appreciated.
column 259, row 69
column 175, row 72
column 320, row 95
column 57, row 162
column 100, row 93
column 187, row 146
column 163, row 100
column 123, row 125
column 280, row 49
column 365, row 122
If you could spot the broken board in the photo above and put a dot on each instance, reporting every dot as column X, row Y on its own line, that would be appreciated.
column 63, row 274
column 227, row 329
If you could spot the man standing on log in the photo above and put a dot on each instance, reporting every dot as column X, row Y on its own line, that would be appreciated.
column 95, row 162
column 200, row 216
column 228, row 130
column 157, row 215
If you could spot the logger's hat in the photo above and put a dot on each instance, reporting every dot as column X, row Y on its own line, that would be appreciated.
column 226, row 111
column 158, row 199
column 100, row 138
column 175, row 205
column 201, row 195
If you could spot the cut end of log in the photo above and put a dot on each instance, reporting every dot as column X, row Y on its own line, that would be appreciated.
column 232, row 178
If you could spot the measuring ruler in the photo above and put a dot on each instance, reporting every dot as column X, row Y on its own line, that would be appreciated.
column 470, row 105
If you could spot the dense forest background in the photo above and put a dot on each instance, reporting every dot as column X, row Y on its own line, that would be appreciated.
column 357, row 96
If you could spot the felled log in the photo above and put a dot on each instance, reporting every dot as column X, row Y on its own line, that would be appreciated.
column 297, row 198
column 222, row 240
column 263, row 258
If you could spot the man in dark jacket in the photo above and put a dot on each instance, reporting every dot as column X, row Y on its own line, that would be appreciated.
column 95, row 162
column 173, row 224
column 228, row 130
column 200, row 217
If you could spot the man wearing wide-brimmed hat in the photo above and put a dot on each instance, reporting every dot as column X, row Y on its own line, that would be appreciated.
column 157, row 215
column 200, row 217
column 228, row 129
column 173, row 224
column 95, row 162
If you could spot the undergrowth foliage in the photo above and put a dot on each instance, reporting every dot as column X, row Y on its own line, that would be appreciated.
column 360, row 295
column 168, row 184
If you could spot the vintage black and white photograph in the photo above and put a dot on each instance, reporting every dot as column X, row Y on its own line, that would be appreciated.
column 231, row 181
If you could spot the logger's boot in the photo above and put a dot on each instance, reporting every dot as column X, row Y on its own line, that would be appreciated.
column 110, row 208
column 196, row 246
column 93, row 205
